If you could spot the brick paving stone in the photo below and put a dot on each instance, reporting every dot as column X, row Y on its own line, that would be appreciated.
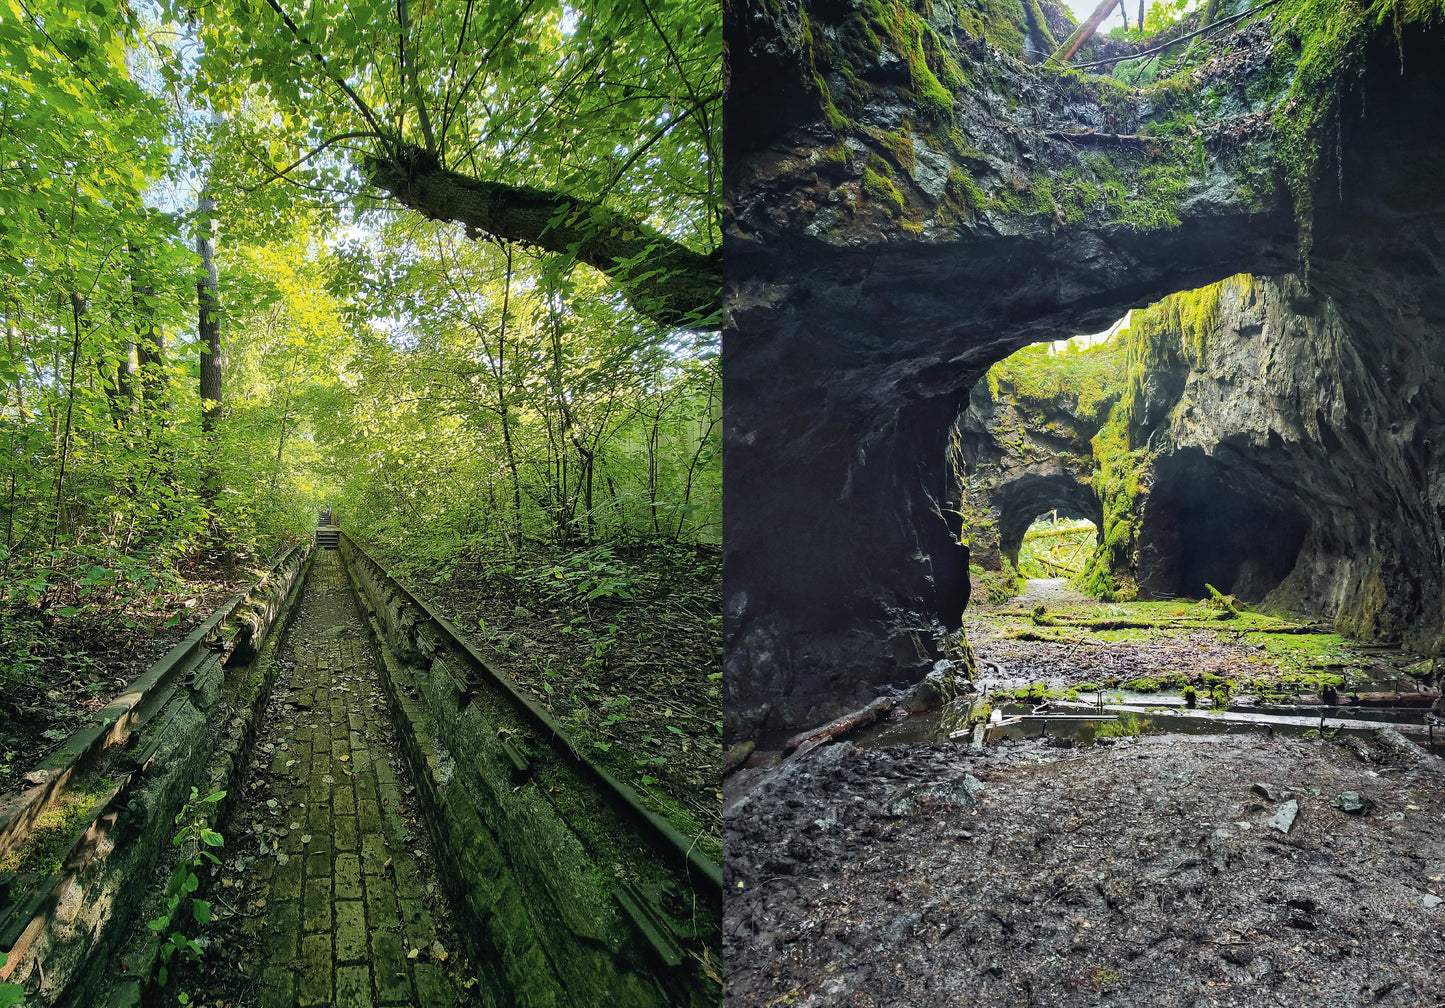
column 348, row 901
column 316, row 913
column 344, row 833
column 373, row 853
column 381, row 897
column 353, row 987
column 388, row 963
column 347, row 877
column 281, row 931
column 314, row 975
column 318, row 861
column 343, row 802
column 351, row 945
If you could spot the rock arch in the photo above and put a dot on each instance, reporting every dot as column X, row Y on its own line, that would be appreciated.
column 885, row 246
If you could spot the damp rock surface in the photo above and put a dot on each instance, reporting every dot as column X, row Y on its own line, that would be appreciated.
column 1144, row 873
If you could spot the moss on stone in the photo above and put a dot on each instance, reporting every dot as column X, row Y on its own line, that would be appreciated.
column 1325, row 41
column 900, row 145
column 1001, row 23
column 882, row 190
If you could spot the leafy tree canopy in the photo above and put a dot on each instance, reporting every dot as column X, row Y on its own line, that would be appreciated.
column 589, row 131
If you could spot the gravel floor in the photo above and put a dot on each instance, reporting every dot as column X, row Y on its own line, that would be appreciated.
column 1143, row 873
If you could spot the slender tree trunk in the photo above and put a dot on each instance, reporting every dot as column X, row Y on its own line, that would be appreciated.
column 78, row 312
column 208, row 298
column 11, row 339
column 652, row 448
column 208, row 301
column 150, row 348
column 502, row 389
column 1076, row 41
column 280, row 447
column 713, row 417
column 555, row 330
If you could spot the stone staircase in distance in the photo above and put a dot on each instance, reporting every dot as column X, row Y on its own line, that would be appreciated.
column 327, row 532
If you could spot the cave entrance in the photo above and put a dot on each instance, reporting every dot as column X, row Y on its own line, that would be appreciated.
column 1057, row 546
column 1211, row 523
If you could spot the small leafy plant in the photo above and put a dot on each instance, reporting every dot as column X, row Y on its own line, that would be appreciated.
column 194, row 839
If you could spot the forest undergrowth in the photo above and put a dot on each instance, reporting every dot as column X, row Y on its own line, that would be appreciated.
column 621, row 643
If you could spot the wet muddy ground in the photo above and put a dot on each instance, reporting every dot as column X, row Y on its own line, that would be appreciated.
column 1167, row 870
column 1162, row 869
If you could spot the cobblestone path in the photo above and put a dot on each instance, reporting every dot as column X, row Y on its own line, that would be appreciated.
column 337, row 877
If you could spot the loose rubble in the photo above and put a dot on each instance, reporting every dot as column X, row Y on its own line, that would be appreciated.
column 1146, row 872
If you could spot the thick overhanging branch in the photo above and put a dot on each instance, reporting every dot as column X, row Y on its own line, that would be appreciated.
column 662, row 279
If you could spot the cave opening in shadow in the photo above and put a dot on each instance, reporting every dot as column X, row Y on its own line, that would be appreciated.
column 1151, row 435
column 1213, row 524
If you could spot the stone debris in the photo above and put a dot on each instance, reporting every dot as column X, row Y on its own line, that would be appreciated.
column 1284, row 819
column 959, row 791
column 1269, row 792
column 1353, row 803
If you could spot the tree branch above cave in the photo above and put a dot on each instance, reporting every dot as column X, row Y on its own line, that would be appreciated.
column 661, row 278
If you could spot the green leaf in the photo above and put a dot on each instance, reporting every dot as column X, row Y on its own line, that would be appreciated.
column 201, row 910
column 212, row 838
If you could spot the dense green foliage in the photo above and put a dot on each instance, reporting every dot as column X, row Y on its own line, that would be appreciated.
column 521, row 409
column 1081, row 380
column 1054, row 548
column 446, row 390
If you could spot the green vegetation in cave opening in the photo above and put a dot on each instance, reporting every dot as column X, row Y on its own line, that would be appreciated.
column 1100, row 391
column 1078, row 378
column 1055, row 547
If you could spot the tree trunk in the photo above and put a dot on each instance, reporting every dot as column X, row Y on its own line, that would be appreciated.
column 663, row 279
column 502, row 390
column 150, row 348
column 208, row 302
column 1076, row 41
column 208, row 296
column 79, row 313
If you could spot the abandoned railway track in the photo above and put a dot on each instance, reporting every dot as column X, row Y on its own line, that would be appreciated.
column 381, row 778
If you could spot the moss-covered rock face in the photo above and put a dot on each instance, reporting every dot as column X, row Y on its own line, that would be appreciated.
column 1008, row 203
column 1024, row 445
column 1290, row 456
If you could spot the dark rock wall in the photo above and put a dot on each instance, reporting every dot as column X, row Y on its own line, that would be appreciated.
column 1297, row 461
column 860, row 314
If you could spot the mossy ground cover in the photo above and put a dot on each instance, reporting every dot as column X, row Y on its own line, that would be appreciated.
column 1077, row 649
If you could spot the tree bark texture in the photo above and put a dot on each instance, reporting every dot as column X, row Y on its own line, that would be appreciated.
column 208, row 296
column 662, row 279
